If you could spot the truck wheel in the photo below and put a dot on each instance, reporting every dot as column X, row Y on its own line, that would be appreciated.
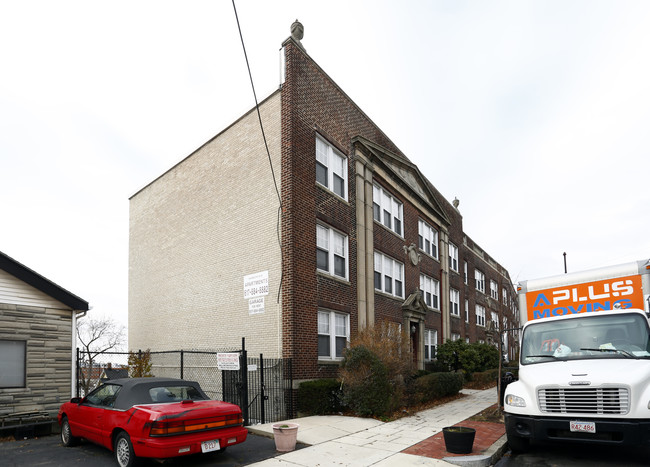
column 517, row 443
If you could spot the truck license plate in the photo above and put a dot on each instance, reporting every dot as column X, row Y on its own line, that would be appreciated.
column 583, row 427
column 208, row 446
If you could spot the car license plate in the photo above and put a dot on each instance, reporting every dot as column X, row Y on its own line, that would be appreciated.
column 208, row 446
column 583, row 427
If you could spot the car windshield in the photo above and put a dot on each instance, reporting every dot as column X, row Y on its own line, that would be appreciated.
column 170, row 393
column 588, row 337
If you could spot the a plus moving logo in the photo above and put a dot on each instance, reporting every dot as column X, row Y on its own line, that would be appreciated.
column 621, row 292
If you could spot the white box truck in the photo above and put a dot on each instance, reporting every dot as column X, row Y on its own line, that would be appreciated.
column 584, row 364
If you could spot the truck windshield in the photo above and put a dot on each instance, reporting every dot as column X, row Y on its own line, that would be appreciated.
column 590, row 336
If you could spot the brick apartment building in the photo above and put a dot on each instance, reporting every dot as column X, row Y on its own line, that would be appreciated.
column 354, row 235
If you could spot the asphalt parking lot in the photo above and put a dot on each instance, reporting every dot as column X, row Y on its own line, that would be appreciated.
column 48, row 451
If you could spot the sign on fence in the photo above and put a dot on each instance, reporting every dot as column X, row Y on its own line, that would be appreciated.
column 228, row 361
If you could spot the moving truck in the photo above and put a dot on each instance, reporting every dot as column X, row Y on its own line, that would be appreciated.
column 584, row 364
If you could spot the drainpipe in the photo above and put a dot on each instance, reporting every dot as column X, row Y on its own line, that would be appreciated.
column 75, row 317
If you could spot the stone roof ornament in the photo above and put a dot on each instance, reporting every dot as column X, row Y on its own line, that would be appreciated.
column 298, row 32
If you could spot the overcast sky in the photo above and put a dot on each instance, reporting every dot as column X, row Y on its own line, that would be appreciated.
column 534, row 114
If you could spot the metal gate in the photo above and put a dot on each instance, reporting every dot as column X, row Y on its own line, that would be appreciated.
column 262, row 388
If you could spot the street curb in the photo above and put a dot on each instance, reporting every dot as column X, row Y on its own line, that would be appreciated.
column 492, row 454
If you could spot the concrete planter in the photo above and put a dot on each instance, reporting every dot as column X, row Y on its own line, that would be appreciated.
column 285, row 435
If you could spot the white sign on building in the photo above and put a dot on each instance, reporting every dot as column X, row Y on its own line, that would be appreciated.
column 256, row 285
column 256, row 305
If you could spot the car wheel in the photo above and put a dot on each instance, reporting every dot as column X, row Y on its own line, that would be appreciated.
column 124, row 454
column 66, row 435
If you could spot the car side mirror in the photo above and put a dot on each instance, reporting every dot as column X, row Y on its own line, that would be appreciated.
column 76, row 400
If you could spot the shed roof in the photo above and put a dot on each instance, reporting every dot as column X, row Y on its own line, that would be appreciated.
column 41, row 283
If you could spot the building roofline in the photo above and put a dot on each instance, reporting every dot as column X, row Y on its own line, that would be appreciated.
column 205, row 144
column 41, row 283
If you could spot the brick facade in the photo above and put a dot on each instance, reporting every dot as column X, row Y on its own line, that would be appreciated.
column 186, row 274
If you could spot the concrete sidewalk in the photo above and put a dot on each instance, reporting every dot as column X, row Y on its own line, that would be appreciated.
column 352, row 441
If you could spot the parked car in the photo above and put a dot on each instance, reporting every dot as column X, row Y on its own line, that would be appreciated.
column 151, row 417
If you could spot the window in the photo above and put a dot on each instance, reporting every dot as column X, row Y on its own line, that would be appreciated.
column 467, row 311
column 331, row 168
column 465, row 272
column 386, row 209
column 333, row 334
column 430, row 344
column 430, row 291
column 454, row 302
column 480, row 315
column 331, row 251
column 104, row 395
column 494, row 290
column 428, row 239
column 495, row 319
column 455, row 336
column 389, row 275
column 504, row 295
column 479, row 277
column 13, row 364
column 453, row 257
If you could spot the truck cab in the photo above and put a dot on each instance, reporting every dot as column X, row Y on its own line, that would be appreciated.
column 584, row 376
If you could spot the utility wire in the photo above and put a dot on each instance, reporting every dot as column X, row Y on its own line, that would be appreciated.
column 268, row 153
column 257, row 106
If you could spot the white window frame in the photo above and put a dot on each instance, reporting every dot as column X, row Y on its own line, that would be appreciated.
column 479, row 280
column 455, row 336
column 453, row 257
column 454, row 302
column 480, row 315
column 430, row 344
column 427, row 234
column 494, row 290
column 495, row 319
column 335, row 244
column 430, row 289
column 389, row 268
column 327, row 321
column 386, row 209
column 466, row 311
column 13, row 364
column 465, row 275
column 334, row 163
column 504, row 295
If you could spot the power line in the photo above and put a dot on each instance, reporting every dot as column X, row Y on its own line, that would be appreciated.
column 257, row 106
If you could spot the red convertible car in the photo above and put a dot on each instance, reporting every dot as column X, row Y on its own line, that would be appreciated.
column 151, row 417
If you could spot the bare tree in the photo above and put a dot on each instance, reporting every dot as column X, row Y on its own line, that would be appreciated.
column 94, row 337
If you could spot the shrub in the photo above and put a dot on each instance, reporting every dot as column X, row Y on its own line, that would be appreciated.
column 377, row 365
column 436, row 385
column 140, row 364
column 459, row 355
column 320, row 397
column 485, row 378
column 366, row 388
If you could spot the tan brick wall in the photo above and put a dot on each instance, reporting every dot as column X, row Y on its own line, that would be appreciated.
column 196, row 231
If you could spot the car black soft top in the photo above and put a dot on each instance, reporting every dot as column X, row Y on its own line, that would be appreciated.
column 136, row 390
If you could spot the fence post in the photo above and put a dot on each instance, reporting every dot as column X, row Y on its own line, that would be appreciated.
column 262, row 392
column 243, row 368
column 77, row 372
column 181, row 364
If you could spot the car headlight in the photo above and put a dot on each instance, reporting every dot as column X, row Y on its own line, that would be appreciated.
column 515, row 401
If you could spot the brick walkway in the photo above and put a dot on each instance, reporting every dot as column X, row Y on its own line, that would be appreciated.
column 486, row 435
